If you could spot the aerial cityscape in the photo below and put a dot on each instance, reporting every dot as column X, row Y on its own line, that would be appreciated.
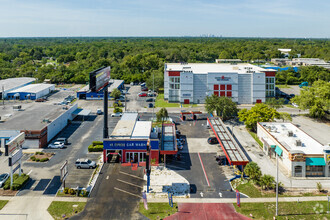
column 169, row 110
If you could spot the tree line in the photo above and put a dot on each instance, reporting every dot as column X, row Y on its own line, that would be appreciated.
column 137, row 59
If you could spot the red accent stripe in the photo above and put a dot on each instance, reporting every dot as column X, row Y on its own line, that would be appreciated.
column 174, row 73
column 200, row 159
column 270, row 74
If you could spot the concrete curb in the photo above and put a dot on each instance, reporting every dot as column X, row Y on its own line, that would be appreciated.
column 90, row 187
column 239, row 192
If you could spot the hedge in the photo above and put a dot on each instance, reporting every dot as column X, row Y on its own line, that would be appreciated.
column 18, row 181
column 97, row 143
column 96, row 148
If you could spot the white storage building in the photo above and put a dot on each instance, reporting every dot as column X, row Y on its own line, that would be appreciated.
column 193, row 82
column 7, row 85
column 32, row 91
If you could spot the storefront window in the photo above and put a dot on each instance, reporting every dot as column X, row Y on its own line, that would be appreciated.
column 314, row 171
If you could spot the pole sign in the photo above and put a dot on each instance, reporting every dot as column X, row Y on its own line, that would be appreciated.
column 18, row 154
column 15, row 143
column 16, row 168
column 144, row 196
column 238, row 197
column 170, row 199
column 64, row 171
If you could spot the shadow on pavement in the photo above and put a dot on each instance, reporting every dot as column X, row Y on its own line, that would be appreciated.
column 54, row 185
column 41, row 186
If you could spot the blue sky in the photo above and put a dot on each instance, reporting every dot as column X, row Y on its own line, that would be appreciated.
column 229, row 18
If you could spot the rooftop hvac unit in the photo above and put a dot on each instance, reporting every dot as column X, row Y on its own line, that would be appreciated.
column 298, row 142
column 290, row 134
column 46, row 120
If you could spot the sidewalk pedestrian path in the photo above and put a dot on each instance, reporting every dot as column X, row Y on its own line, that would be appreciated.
column 31, row 208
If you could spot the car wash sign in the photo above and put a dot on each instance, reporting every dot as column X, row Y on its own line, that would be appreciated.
column 129, row 144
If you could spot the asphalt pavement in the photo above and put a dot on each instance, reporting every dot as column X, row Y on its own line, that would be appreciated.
column 116, row 194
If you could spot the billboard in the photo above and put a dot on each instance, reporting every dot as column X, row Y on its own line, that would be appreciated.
column 99, row 78
column 64, row 171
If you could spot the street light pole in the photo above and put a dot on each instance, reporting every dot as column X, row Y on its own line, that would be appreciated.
column 153, row 92
column 276, row 184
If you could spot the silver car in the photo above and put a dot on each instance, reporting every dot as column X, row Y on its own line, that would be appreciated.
column 85, row 164
column 3, row 178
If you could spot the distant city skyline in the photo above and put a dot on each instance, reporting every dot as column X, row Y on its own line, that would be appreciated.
column 110, row 18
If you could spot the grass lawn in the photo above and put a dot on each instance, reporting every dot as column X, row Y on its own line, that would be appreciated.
column 286, row 210
column 160, row 102
column 3, row 203
column 283, row 86
column 255, row 137
column 158, row 210
column 58, row 209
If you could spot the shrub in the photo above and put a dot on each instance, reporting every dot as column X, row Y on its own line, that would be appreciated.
column 97, row 143
column 37, row 159
column 83, row 193
column 18, row 182
column 33, row 158
column 117, row 110
column 66, row 190
column 72, row 191
column 319, row 186
column 40, row 153
column 44, row 159
column 97, row 148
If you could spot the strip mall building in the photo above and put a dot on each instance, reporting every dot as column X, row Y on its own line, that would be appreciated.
column 192, row 82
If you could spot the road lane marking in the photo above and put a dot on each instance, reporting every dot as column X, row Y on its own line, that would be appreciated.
column 29, row 172
column 107, row 177
column 131, row 175
column 220, row 194
column 132, row 194
column 200, row 159
column 130, row 183
column 202, row 195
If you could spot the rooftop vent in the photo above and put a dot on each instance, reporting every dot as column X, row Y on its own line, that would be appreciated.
column 298, row 142
column 46, row 120
column 290, row 133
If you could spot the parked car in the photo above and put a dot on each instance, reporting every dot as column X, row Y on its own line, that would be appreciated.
column 56, row 145
column 143, row 85
column 212, row 140
column 62, row 140
column 85, row 164
column 40, row 100
column 150, row 105
column 99, row 112
column 144, row 89
column 142, row 94
column 150, row 100
column 118, row 114
column 150, row 94
column 3, row 178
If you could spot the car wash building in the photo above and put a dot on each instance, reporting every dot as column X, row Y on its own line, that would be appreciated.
column 192, row 82
column 130, row 137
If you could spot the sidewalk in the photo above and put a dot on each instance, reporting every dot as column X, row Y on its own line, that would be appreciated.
column 243, row 200
column 31, row 208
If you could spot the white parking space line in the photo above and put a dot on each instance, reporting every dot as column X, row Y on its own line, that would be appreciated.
column 107, row 177
column 29, row 172
column 131, row 175
column 129, row 183
column 132, row 194
column 174, row 167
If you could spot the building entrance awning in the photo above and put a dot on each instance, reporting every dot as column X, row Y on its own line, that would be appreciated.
column 315, row 161
column 81, row 112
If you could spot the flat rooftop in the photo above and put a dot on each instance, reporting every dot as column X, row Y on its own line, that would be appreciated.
column 114, row 84
column 205, row 68
column 129, row 116
column 33, row 88
column 31, row 117
column 280, row 132
column 123, row 129
column 142, row 130
column 13, row 83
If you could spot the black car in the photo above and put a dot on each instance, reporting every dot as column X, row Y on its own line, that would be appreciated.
column 212, row 140
column 150, row 105
column 150, row 100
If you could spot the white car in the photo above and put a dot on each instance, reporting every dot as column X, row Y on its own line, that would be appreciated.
column 56, row 145
column 118, row 114
column 3, row 178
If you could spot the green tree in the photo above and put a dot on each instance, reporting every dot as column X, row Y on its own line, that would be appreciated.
column 162, row 114
column 267, row 182
column 224, row 106
column 115, row 93
column 117, row 109
column 155, row 80
column 259, row 113
column 315, row 98
column 275, row 103
column 285, row 116
column 253, row 171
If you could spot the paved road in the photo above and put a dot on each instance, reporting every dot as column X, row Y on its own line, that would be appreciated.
column 116, row 194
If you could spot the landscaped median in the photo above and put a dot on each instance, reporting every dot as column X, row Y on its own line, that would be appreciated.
column 64, row 210
column 3, row 203
column 18, row 182
column 158, row 210
column 96, row 146
column 286, row 210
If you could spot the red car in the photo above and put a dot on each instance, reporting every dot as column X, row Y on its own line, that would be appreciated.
column 142, row 94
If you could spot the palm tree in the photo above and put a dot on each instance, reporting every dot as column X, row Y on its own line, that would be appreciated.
column 253, row 171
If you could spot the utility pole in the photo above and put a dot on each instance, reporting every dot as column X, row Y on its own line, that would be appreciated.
column 148, row 165
column 153, row 92
column 3, row 97
column 276, row 184
column 105, row 110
